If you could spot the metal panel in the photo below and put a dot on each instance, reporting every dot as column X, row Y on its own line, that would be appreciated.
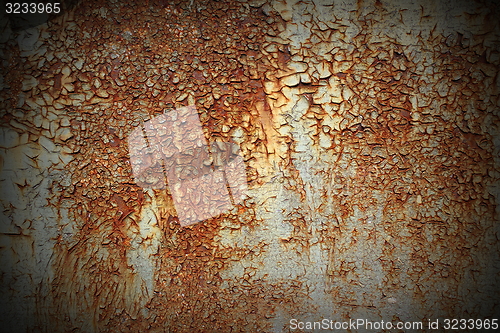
column 365, row 151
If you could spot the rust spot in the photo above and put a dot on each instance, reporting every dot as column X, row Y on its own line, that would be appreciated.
column 369, row 158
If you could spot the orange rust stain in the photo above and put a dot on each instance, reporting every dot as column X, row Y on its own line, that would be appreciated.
column 377, row 149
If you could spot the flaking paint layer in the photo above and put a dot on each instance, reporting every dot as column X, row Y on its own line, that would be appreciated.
column 369, row 132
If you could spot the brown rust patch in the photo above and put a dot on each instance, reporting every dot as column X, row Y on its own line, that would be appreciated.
column 372, row 164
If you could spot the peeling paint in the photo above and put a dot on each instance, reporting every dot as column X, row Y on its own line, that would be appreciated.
column 367, row 136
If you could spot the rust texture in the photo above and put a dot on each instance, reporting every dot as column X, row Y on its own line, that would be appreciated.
column 370, row 138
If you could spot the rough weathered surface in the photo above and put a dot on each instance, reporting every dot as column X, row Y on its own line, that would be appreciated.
column 370, row 135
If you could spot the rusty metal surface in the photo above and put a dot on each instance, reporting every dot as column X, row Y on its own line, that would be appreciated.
column 370, row 138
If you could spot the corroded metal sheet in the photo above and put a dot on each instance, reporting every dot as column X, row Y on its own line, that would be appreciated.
column 229, row 166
